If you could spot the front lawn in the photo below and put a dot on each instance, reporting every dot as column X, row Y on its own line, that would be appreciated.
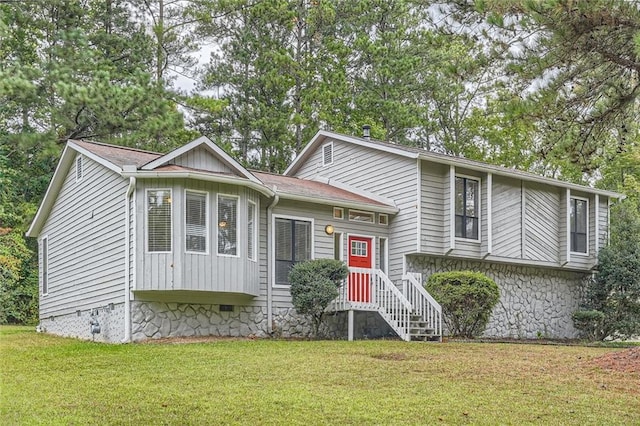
column 50, row 380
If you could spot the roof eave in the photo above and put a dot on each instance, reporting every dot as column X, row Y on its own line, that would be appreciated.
column 338, row 202
column 204, row 176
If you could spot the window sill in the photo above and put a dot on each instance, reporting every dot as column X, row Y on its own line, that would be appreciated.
column 579, row 253
column 468, row 240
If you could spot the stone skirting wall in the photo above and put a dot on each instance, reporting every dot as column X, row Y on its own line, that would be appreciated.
column 77, row 324
column 534, row 302
column 155, row 320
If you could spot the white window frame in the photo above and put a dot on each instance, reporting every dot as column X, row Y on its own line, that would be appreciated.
column 273, row 244
column 384, row 222
column 453, row 207
column 578, row 253
column 338, row 213
column 384, row 254
column 45, row 265
column 328, row 145
column 206, row 222
column 371, row 214
column 238, row 245
column 146, row 219
column 254, row 236
column 79, row 167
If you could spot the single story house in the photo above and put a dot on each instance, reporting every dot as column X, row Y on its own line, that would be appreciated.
column 137, row 245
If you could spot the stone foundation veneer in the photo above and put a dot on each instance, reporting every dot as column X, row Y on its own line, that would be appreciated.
column 155, row 320
column 534, row 302
column 110, row 318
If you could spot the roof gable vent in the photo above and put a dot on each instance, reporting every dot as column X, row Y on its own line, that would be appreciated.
column 79, row 168
column 327, row 154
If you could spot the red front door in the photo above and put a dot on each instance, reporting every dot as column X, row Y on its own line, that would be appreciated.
column 360, row 256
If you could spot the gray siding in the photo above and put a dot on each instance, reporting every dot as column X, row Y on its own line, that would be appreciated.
column 323, row 247
column 434, row 207
column 202, row 159
column 542, row 230
column 586, row 261
column 180, row 270
column 86, row 235
column 604, row 221
column 507, row 217
column 384, row 174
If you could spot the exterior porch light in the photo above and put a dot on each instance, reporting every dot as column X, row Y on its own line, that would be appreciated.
column 222, row 224
column 329, row 229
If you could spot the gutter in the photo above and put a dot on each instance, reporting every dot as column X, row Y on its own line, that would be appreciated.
column 127, row 272
column 232, row 180
column 270, row 264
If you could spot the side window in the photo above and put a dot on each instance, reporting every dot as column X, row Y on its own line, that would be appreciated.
column 45, row 266
column 196, row 222
column 227, row 225
column 467, row 208
column 579, row 224
column 159, row 220
column 251, row 230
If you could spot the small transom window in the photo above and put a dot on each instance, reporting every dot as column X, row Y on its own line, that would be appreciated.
column 359, row 216
column 338, row 213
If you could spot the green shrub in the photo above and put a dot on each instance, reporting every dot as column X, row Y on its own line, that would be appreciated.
column 590, row 323
column 314, row 284
column 467, row 299
column 615, row 290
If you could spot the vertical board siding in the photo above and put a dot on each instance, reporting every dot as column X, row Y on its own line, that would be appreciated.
column 507, row 221
column 201, row 158
column 86, row 231
column 435, row 212
column 208, row 271
column 384, row 174
column 542, row 218
column 604, row 221
column 323, row 243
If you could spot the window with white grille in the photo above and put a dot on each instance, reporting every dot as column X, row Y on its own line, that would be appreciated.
column 251, row 230
column 227, row 225
column 327, row 154
column 159, row 220
column 196, row 222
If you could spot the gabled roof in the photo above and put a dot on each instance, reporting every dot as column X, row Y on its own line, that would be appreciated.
column 308, row 190
column 205, row 142
column 415, row 153
column 131, row 162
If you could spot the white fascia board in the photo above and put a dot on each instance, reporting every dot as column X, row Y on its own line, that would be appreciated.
column 340, row 203
column 323, row 134
column 516, row 174
column 202, row 140
column 106, row 163
column 54, row 185
column 145, row 174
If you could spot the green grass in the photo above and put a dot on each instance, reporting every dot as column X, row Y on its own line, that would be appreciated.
column 50, row 380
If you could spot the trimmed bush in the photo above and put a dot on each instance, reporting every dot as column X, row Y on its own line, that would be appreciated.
column 590, row 323
column 467, row 299
column 314, row 284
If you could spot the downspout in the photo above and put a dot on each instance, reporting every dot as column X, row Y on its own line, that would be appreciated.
column 270, row 254
column 127, row 258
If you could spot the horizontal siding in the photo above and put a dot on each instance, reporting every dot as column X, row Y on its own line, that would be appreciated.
column 202, row 159
column 377, row 172
column 323, row 243
column 507, row 217
column 604, row 221
column 86, row 234
column 542, row 219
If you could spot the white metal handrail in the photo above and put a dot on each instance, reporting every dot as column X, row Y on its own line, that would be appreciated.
column 424, row 305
